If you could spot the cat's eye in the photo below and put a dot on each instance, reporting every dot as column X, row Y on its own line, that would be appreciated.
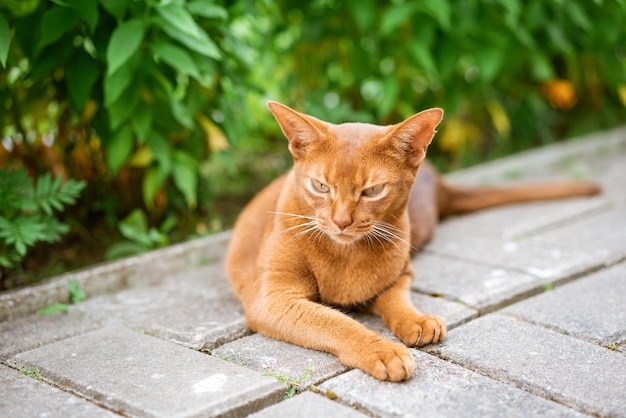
column 373, row 191
column 319, row 186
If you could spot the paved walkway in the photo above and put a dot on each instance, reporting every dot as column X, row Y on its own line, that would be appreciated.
column 534, row 296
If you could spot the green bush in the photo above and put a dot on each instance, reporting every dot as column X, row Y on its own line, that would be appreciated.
column 509, row 73
column 120, row 91
column 27, row 212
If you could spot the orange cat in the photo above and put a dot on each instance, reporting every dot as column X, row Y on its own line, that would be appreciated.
column 333, row 235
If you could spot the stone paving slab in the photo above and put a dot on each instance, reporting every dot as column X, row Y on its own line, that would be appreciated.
column 583, row 244
column 602, row 237
column 196, row 309
column 576, row 373
column 592, row 308
column 584, row 157
column 308, row 405
column 141, row 375
column 515, row 222
column 26, row 397
column 32, row 331
column 530, row 256
column 147, row 268
column 278, row 358
column 479, row 286
column 440, row 389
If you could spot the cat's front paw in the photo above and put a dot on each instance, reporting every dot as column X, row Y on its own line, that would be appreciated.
column 420, row 330
column 383, row 359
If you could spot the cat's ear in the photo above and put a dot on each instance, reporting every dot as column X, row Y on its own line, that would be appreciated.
column 413, row 135
column 300, row 129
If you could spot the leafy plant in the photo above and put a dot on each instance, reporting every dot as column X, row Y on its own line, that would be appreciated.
column 29, row 371
column 117, row 91
column 76, row 294
column 294, row 385
column 140, row 237
column 27, row 211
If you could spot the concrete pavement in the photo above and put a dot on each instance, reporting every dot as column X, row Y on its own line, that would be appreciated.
column 534, row 296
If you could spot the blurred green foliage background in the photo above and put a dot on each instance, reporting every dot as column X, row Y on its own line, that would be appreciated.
column 159, row 105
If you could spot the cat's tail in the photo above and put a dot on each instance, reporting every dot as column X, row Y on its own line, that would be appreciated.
column 456, row 200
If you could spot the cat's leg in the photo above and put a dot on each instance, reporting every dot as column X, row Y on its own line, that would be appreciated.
column 297, row 320
column 403, row 319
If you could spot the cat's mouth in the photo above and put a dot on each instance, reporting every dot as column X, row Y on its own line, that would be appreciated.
column 343, row 237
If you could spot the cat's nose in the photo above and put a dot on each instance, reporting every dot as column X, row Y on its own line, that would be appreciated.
column 342, row 221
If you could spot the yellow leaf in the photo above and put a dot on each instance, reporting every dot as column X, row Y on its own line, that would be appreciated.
column 142, row 157
column 456, row 133
column 215, row 137
column 499, row 118
column 621, row 91
column 91, row 106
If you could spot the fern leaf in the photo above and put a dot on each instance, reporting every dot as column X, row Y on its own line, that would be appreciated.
column 52, row 195
column 16, row 188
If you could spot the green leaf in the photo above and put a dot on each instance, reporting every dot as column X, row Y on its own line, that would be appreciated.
column 16, row 191
column 88, row 12
column 80, row 78
column 119, row 148
column 170, row 222
column 541, row 67
column 176, row 57
column 440, row 10
column 51, row 194
column 124, row 249
column 206, row 9
column 116, row 8
column 185, row 174
column 152, row 180
column 578, row 16
column 142, row 123
column 160, row 148
column 135, row 228
column 490, row 60
column 391, row 90
column 179, row 18
column 181, row 113
column 77, row 294
column 56, row 22
column 54, row 308
column 115, row 84
column 396, row 15
column 423, row 57
column 202, row 44
column 559, row 38
column 512, row 12
column 5, row 40
column 364, row 13
column 22, row 232
column 124, row 42
column 123, row 107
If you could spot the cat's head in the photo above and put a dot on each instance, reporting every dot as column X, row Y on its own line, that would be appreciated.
column 354, row 179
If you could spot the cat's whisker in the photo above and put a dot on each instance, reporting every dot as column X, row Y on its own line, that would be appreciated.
column 302, row 225
column 373, row 235
column 294, row 215
column 388, row 231
column 311, row 225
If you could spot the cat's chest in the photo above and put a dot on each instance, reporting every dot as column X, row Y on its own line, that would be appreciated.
column 357, row 278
